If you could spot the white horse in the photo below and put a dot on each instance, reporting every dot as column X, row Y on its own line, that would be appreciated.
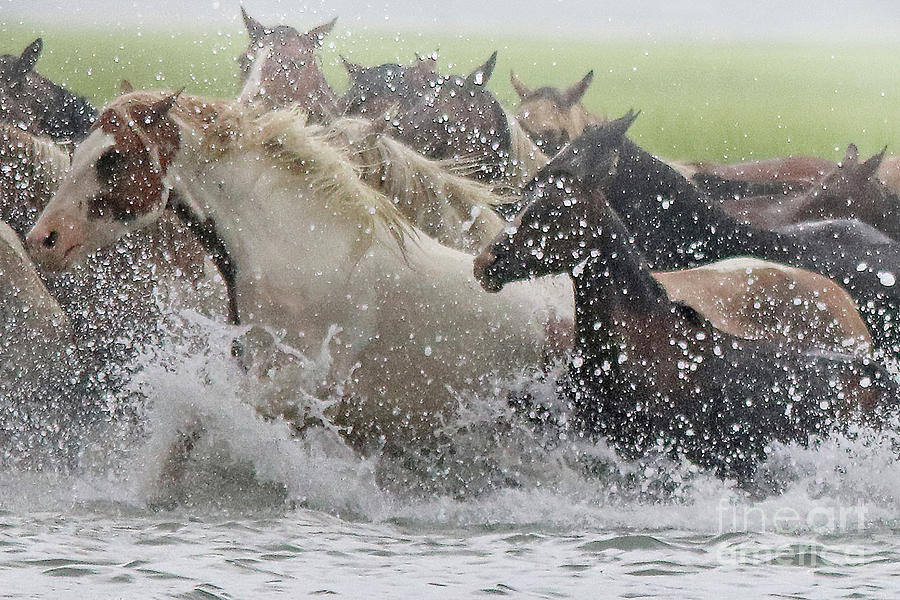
column 304, row 245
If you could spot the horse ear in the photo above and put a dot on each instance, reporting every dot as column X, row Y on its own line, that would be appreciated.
column 254, row 28
column 574, row 94
column 620, row 126
column 161, row 108
column 352, row 67
column 521, row 89
column 851, row 156
column 482, row 74
column 870, row 167
column 317, row 34
column 29, row 57
column 125, row 87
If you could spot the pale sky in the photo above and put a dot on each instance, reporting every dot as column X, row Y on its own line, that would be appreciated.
column 705, row 19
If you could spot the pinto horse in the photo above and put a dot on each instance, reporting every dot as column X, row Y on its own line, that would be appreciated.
column 553, row 117
column 650, row 374
column 280, row 68
column 676, row 227
column 376, row 91
column 110, row 300
column 35, row 104
column 306, row 246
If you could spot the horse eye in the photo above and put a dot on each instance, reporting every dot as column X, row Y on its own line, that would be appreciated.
column 108, row 165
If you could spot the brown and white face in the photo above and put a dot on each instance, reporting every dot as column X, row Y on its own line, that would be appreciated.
column 552, row 117
column 116, row 183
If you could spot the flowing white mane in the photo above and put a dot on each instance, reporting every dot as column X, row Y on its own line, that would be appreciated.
column 322, row 156
column 402, row 187
column 374, row 178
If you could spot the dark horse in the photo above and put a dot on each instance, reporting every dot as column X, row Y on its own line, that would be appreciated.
column 460, row 119
column 653, row 375
column 677, row 227
column 376, row 91
column 35, row 104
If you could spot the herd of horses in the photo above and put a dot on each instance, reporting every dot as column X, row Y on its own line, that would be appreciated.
column 704, row 311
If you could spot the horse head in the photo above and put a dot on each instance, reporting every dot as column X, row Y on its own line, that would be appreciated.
column 37, row 105
column 279, row 67
column 20, row 101
column 460, row 119
column 852, row 180
column 551, row 116
column 376, row 90
column 565, row 208
column 116, row 183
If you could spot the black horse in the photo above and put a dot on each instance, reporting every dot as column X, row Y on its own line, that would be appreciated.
column 652, row 375
column 37, row 105
column 676, row 226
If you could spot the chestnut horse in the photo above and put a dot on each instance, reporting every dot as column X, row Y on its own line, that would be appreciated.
column 792, row 172
column 650, row 374
column 280, row 68
column 761, row 300
column 553, row 117
column 35, row 104
column 676, row 227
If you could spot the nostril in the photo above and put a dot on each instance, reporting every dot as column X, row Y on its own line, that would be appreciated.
column 51, row 239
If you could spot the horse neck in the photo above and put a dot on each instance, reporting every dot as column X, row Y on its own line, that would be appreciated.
column 321, row 101
column 578, row 118
column 526, row 157
column 614, row 281
column 227, row 194
column 650, row 195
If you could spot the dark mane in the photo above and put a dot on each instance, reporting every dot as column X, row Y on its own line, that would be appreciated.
column 38, row 105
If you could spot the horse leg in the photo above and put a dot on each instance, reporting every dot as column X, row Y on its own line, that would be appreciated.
column 173, row 470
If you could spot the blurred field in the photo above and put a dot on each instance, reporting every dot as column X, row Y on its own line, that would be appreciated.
column 715, row 101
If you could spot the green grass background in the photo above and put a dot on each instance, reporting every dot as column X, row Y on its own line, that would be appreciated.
column 700, row 100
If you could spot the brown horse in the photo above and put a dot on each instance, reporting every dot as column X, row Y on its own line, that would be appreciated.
column 851, row 190
column 650, row 374
column 552, row 116
column 794, row 172
column 35, row 104
column 376, row 91
column 280, row 68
